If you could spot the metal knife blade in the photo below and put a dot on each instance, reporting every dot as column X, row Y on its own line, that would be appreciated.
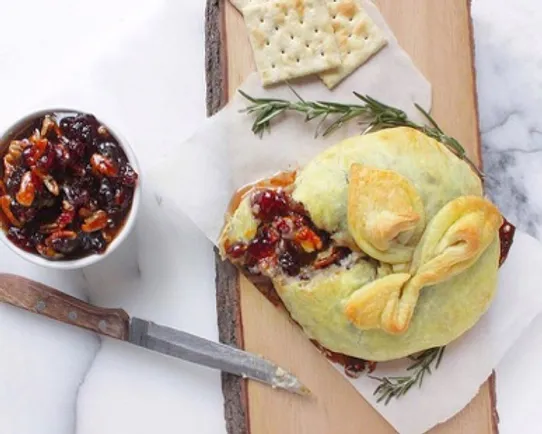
column 44, row 300
column 194, row 349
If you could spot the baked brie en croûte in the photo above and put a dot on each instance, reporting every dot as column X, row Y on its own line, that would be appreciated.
column 382, row 246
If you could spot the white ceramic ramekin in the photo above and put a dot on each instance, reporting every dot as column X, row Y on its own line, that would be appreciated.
column 130, row 219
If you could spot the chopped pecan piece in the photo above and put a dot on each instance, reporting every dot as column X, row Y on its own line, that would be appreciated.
column 103, row 165
column 27, row 190
column 96, row 222
column 5, row 205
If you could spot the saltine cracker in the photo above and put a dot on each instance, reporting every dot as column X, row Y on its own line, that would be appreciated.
column 291, row 38
column 357, row 35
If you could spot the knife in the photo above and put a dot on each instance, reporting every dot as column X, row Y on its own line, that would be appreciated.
column 116, row 323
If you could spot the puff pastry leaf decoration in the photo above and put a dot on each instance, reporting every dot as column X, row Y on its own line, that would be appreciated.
column 386, row 217
column 453, row 241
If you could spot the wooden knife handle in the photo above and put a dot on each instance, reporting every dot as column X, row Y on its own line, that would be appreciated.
column 44, row 300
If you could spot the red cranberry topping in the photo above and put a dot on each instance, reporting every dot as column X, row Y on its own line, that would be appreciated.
column 267, row 204
column 286, row 238
column 260, row 248
column 353, row 367
column 236, row 250
column 128, row 176
column 290, row 263
column 506, row 234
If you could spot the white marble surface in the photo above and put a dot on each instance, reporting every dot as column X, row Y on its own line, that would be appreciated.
column 57, row 380
column 509, row 67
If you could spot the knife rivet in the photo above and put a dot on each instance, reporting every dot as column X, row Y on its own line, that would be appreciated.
column 40, row 306
column 102, row 325
column 72, row 316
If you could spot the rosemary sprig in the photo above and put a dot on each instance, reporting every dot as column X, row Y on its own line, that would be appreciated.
column 372, row 114
column 395, row 387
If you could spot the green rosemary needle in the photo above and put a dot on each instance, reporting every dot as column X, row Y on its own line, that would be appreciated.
column 395, row 387
column 372, row 114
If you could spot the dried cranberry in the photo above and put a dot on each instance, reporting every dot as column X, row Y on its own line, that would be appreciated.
column 269, row 233
column 22, row 213
column 297, row 208
column 128, row 176
column 354, row 368
column 76, row 194
column 18, row 237
column 106, row 192
column 62, row 155
column 32, row 153
column 236, row 250
column 260, row 248
column 65, row 218
column 121, row 197
column 289, row 263
column 14, row 180
column 47, row 159
column 64, row 242
column 109, row 150
column 92, row 242
column 116, row 216
column 300, row 220
column 506, row 235
column 267, row 204
column 37, row 238
column 83, row 127
column 79, row 170
column 65, row 245
column 77, row 149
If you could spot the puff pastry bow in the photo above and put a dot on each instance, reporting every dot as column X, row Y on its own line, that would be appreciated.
column 386, row 219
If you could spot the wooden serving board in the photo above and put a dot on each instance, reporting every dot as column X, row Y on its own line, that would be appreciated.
column 438, row 36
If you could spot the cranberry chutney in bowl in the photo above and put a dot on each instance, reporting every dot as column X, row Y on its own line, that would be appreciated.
column 69, row 188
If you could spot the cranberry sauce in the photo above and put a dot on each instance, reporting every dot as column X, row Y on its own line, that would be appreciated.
column 286, row 238
column 506, row 234
column 353, row 367
column 66, row 187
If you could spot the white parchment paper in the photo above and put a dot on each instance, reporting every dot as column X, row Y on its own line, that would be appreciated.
column 225, row 155
column 200, row 177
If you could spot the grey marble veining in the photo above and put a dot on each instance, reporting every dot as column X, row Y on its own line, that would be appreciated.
column 509, row 78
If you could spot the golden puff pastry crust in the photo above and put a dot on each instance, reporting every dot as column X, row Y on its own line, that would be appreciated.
column 453, row 241
column 385, row 213
column 435, row 172
column 406, row 252
column 443, row 313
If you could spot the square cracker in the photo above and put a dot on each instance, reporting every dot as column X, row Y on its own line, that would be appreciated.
column 357, row 35
column 291, row 38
